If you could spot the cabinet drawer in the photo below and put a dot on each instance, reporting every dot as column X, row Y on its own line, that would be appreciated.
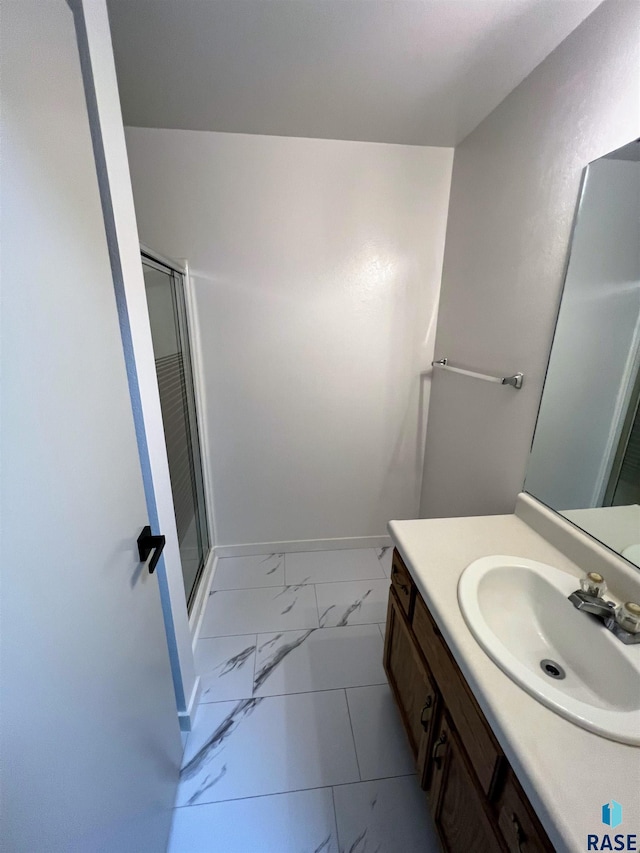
column 521, row 829
column 482, row 748
column 402, row 583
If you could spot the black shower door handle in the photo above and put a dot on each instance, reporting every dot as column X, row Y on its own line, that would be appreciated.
column 147, row 543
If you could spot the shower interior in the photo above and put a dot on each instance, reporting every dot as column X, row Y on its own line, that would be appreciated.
column 165, row 290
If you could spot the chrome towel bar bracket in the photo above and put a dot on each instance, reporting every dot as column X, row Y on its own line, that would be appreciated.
column 515, row 381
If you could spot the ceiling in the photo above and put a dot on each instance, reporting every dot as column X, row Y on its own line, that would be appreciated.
column 419, row 72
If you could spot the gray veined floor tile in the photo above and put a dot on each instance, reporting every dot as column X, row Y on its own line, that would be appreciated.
column 383, row 628
column 352, row 603
column 384, row 816
column 299, row 822
column 225, row 666
column 385, row 555
column 267, row 746
column 329, row 566
column 248, row 572
column 320, row 659
column 381, row 743
column 247, row 611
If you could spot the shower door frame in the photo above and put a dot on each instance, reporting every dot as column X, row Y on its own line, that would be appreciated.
column 180, row 268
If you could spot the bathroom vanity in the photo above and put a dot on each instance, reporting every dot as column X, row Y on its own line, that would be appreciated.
column 475, row 798
column 501, row 771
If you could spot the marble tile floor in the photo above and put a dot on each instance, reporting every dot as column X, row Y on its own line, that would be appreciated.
column 297, row 745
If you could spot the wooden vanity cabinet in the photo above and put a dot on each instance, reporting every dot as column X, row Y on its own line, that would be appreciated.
column 475, row 799
column 482, row 749
column 411, row 682
column 461, row 814
column 518, row 822
column 402, row 585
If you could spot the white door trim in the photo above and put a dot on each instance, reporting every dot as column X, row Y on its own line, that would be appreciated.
column 199, row 386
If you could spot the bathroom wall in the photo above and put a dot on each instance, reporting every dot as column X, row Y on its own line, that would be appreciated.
column 316, row 266
column 513, row 196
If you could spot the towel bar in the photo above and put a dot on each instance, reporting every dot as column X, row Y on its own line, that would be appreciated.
column 515, row 381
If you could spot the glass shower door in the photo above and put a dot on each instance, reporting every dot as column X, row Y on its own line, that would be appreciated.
column 164, row 287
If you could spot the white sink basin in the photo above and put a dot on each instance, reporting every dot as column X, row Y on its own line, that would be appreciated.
column 518, row 611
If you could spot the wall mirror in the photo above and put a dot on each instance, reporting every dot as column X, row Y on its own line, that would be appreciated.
column 585, row 456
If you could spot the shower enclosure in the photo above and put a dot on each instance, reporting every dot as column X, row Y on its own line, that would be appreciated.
column 164, row 285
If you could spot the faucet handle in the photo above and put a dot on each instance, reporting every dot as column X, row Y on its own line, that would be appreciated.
column 593, row 584
column 628, row 617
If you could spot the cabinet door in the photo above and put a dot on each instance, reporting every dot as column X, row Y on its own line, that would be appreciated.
column 462, row 819
column 417, row 698
column 520, row 827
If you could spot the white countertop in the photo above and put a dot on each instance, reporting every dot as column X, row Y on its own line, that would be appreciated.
column 567, row 772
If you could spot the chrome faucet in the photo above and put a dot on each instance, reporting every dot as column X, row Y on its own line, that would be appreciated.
column 623, row 621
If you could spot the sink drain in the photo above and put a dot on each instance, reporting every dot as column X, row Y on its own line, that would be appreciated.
column 552, row 669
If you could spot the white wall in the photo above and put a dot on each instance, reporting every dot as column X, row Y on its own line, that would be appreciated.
column 316, row 267
column 514, row 191
column 595, row 337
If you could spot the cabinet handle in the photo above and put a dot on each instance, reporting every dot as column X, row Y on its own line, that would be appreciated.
column 402, row 586
column 521, row 838
column 437, row 759
column 427, row 713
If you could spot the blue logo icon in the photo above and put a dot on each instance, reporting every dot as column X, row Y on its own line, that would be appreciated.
column 612, row 814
